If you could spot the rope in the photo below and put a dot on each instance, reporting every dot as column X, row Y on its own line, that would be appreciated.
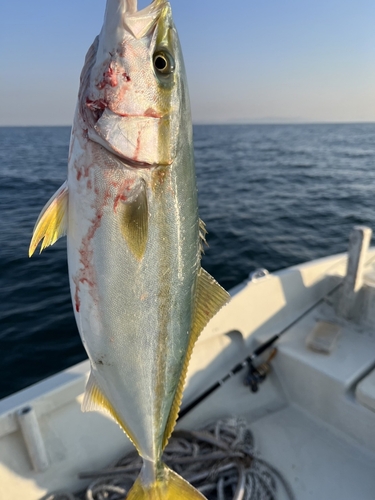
column 220, row 461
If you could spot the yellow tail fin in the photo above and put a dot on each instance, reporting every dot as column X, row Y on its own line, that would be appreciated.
column 170, row 486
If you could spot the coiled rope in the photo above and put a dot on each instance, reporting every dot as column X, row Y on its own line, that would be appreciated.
column 220, row 461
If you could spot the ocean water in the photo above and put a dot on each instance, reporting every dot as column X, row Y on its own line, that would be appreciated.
column 271, row 196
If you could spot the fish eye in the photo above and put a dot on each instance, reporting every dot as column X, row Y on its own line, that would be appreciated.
column 163, row 62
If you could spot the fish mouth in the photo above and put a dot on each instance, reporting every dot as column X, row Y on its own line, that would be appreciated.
column 139, row 141
column 133, row 164
column 125, row 14
column 128, row 162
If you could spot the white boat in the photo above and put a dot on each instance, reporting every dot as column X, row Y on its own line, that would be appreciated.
column 313, row 417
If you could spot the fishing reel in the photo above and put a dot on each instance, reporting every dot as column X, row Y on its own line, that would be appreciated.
column 257, row 374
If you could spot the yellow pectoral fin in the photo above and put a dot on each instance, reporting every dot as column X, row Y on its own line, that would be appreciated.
column 134, row 222
column 170, row 487
column 210, row 298
column 95, row 400
column 52, row 221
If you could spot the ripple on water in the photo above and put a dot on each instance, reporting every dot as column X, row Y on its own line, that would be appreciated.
column 271, row 196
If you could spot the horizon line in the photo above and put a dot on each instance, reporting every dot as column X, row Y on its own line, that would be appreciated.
column 232, row 122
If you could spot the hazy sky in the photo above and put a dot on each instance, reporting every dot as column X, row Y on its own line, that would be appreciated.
column 247, row 60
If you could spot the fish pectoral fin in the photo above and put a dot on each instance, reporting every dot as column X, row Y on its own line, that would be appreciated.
column 134, row 222
column 170, row 486
column 210, row 298
column 95, row 400
column 52, row 221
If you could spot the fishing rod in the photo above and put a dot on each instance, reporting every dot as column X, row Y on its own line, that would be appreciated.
column 254, row 378
column 256, row 375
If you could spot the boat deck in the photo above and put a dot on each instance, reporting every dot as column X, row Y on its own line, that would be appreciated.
column 317, row 459
column 313, row 417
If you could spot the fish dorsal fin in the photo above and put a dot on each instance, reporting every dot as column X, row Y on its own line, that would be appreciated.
column 210, row 298
column 95, row 400
column 134, row 221
column 202, row 236
column 52, row 221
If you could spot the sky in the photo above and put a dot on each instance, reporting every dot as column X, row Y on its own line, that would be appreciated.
column 262, row 61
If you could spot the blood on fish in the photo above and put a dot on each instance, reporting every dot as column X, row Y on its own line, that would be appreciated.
column 119, row 197
column 97, row 104
column 86, row 273
column 97, row 107
column 125, row 187
column 121, row 50
column 82, row 171
column 152, row 113
column 112, row 108
column 126, row 77
column 138, row 146
column 77, row 302
column 109, row 78
column 106, row 197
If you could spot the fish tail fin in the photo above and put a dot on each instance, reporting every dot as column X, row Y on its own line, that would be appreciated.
column 168, row 486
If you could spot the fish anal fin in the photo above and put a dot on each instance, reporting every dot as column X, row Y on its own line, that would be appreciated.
column 134, row 222
column 170, row 486
column 95, row 400
column 210, row 298
column 52, row 221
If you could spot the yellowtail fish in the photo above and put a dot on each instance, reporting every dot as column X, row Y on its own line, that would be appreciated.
column 129, row 210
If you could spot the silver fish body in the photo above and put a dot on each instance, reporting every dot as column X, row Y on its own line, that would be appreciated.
column 129, row 209
column 134, row 315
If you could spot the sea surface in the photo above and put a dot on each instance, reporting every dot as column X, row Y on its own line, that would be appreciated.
column 271, row 196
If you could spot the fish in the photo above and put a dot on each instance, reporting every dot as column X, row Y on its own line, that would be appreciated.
column 129, row 210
